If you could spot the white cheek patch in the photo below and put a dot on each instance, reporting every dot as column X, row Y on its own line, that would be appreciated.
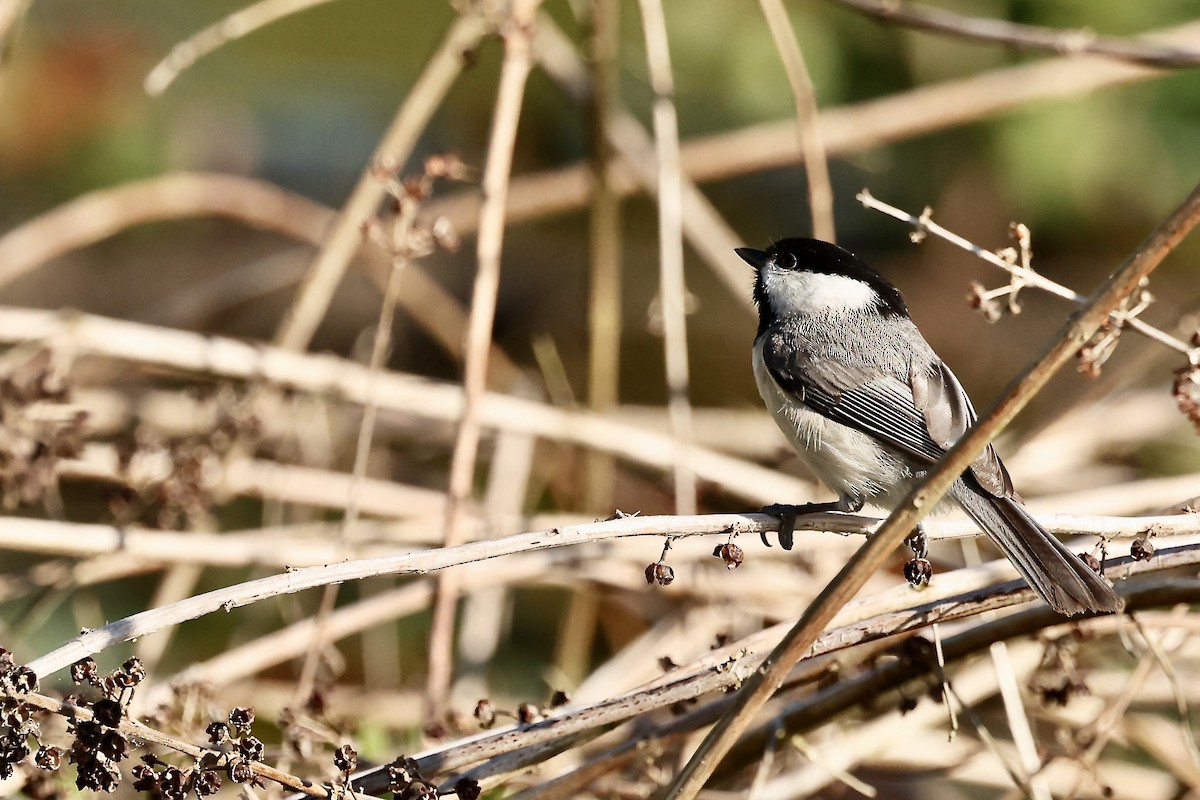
column 814, row 293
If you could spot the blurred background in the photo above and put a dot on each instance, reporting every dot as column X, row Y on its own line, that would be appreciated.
column 302, row 103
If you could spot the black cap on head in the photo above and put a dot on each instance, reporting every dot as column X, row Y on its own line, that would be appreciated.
column 826, row 258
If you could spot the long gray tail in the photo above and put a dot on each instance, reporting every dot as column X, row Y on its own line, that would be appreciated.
column 1059, row 577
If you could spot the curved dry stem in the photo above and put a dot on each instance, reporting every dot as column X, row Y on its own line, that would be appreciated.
column 393, row 150
column 1027, row 37
column 311, row 545
column 240, row 23
column 820, row 190
column 103, row 213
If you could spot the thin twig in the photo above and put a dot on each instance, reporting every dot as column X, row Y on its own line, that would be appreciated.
column 604, row 245
column 671, row 290
column 925, row 223
column 1078, row 330
column 816, row 168
column 236, row 25
column 1028, row 37
column 513, row 73
column 393, row 150
column 310, row 545
column 707, row 231
column 380, row 348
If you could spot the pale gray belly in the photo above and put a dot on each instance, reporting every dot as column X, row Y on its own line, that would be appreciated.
column 849, row 462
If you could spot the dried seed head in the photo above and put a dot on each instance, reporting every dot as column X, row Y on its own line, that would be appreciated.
column 207, row 782
column 48, row 757
column 402, row 773
column 218, row 733
column 108, row 712
column 731, row 554
column 1142, row 549
column 345, row 759
column 241, row 772
column 251, row 748
column 1186, row 390
column 467, row 789
column 660, row 573
column 134, row 670
column 528, row 713
column 918, row 571
column 84, row 669
column 485, row 712
column 241, row 718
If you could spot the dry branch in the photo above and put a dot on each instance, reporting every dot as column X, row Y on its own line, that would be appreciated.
column 328, row 375
column 1030, row 37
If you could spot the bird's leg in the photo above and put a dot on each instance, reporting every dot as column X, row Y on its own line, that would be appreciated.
column 787, row 514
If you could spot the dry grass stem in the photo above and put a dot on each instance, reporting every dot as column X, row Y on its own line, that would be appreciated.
column 605, row 315
column 820, row 190
column 517, row 31
column 672, row 293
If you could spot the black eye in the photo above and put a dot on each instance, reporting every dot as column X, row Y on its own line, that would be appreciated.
column 785, row 260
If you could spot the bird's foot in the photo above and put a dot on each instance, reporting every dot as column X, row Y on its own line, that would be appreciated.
column 787, row 514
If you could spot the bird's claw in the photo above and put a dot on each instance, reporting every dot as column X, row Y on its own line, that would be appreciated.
column 787, row 514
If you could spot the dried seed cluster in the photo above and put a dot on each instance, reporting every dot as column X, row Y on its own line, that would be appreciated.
column 38, row 428
column 19, row 731
column 99, row 746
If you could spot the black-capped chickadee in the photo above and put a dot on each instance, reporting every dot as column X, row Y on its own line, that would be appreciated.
column 870, row 407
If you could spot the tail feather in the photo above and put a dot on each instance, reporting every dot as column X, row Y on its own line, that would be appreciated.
column 1059, row 577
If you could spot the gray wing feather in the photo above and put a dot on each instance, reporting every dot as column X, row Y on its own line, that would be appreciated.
column 948, row 413
column 923, row 417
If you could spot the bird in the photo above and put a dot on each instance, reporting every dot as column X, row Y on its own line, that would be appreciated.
column 870, row 407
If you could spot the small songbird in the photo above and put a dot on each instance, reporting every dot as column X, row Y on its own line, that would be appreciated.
column 869, row 407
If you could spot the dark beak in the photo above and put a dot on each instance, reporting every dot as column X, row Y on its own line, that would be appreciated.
column 755, row 258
